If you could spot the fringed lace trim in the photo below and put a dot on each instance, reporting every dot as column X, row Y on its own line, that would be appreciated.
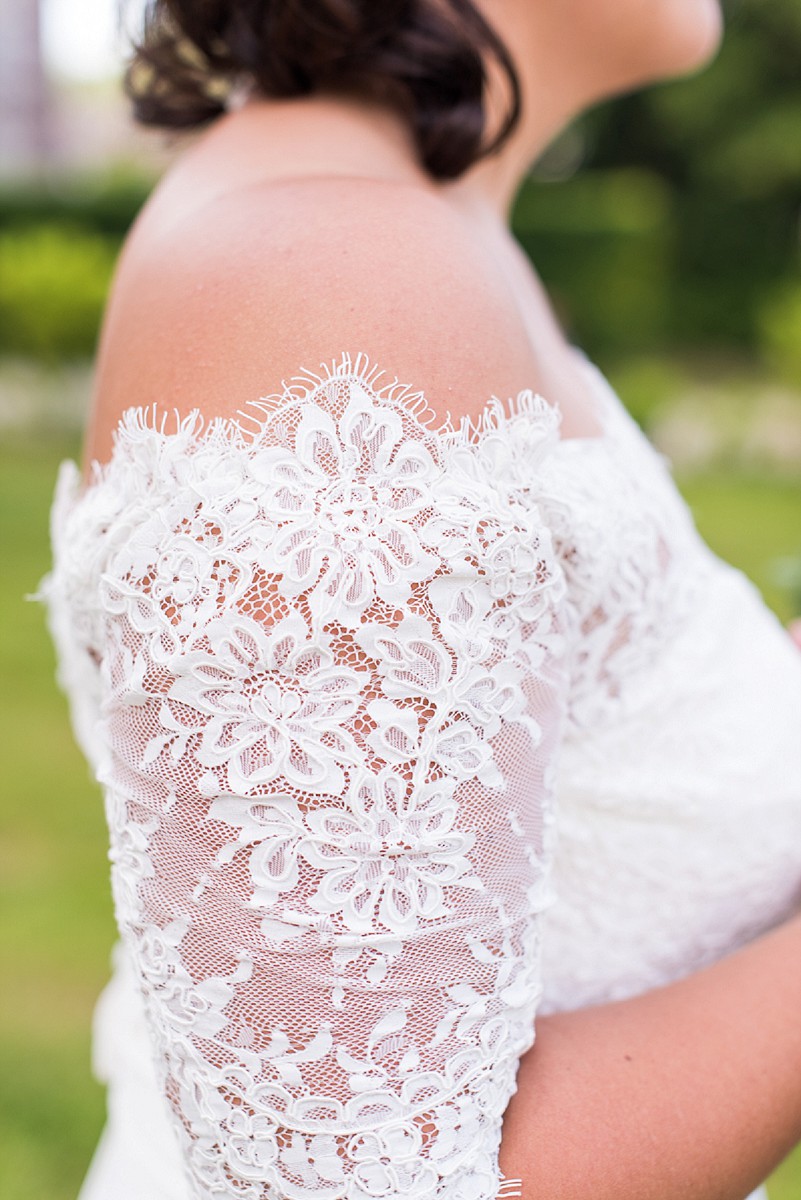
column 467, row 428
column 246, row 429
column 509, row 1189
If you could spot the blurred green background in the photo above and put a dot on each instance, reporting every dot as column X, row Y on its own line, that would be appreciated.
column 666, row 227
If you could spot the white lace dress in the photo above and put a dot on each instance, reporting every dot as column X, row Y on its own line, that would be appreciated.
column 406, row 733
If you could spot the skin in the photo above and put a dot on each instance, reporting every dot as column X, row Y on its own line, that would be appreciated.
column 688, row 1092
column 692, row 1091
column 570, row 54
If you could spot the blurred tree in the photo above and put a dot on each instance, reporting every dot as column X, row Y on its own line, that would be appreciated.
column 666, row 220
column 727, row 142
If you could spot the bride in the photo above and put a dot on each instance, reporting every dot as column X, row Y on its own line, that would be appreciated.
column 453, row 784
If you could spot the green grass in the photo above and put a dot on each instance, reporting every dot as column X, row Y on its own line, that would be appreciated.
column 57, row 925
column 54, row 888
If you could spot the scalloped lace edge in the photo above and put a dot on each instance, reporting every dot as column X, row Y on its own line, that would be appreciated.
column 466, row 430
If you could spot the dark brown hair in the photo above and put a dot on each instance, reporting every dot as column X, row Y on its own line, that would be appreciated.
column 422, row 56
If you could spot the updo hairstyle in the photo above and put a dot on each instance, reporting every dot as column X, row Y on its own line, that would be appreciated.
column 424, row 57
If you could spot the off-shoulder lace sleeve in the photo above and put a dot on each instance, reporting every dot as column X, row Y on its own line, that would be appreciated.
column 331, row 670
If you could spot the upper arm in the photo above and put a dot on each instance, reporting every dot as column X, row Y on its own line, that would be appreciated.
column 334, row 680
column 280, row 279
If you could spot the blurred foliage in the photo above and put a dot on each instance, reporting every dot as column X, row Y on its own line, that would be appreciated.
column 786, row 573
column 663, row 221
column 105, row 200
column 53, row 284
column 648, row 385
column 780, row 329
column 59, row 240
column 721, row 153
column 603, row 242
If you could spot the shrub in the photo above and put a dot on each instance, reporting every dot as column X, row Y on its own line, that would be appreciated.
column 648, row 385
column 105, row 201
column 780, row 330
column 601, row 242
column 54, row 278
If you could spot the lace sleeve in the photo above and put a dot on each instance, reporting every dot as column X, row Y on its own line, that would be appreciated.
column 332, row 682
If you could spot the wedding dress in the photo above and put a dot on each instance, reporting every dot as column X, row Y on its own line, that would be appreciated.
column 407, row 732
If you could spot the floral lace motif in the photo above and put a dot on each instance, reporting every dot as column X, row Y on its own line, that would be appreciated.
column 331, row 673
column 330, row 666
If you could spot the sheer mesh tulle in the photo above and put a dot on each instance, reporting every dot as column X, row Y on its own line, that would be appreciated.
column 332, row 665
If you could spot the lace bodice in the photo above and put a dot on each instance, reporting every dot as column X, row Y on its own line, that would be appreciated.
column 377, row 707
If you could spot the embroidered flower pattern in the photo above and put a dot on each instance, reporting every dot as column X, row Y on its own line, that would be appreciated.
column 276, row 706
column 318, row 705
column 391, row 857
column 350, row 501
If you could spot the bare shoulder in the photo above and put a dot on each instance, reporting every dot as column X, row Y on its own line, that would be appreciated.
column 276, row 279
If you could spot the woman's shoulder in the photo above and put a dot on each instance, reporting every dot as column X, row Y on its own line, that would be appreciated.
column 215, row 303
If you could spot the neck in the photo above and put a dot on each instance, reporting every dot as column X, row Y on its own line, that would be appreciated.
column 492, row 184
column 550, row 99
column 365, row 136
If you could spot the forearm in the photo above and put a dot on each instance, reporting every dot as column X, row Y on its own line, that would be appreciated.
column 688, row 1092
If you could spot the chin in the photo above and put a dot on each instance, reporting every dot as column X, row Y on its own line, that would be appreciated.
column 650, row 41
column 703, row 34
column 685, row 36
